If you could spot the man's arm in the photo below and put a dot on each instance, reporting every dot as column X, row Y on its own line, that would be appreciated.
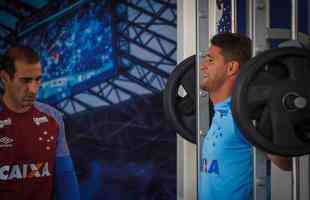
column 66, row 184
column 284, row 163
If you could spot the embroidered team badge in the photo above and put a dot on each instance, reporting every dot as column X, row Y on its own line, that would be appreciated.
column 40, row 120
column 5, row 122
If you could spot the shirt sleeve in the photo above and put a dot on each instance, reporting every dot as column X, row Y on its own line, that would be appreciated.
column 66, row 184
column 62, row 146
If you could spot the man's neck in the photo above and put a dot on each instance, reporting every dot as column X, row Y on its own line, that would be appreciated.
column 218, row 99
column 221, row 94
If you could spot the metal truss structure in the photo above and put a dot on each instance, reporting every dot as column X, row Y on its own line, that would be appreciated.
column 144, row 46
column 144, row 43
column 12, row 14
column 121, row 115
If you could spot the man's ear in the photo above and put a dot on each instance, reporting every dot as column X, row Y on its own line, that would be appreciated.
column 4, row 76
column 233, row 67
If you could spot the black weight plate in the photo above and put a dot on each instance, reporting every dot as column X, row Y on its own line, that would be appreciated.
column 264, row 102
column 180, row 110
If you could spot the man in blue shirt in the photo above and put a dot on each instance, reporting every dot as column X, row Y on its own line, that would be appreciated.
column 226, row 170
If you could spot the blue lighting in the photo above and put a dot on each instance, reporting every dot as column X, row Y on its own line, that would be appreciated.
column 76, row 53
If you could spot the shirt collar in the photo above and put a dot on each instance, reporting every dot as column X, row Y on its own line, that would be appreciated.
column 225, row 104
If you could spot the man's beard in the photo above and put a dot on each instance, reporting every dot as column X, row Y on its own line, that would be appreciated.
column 30, row 98
column 205, row 85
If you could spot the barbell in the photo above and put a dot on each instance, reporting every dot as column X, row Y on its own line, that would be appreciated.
column 270, row 103
column 179, row 99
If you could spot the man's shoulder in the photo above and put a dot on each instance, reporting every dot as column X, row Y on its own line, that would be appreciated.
column 47, row 109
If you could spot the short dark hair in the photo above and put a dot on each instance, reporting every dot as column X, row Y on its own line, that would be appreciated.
column 18, row 53
column 234, row 46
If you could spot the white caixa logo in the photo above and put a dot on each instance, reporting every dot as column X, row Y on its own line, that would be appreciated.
column 6, row 142
column 24, row 171
column 40, row 120
column 5, row 122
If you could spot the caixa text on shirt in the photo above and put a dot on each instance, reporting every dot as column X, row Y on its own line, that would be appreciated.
column 210, row 166
column 23, row 171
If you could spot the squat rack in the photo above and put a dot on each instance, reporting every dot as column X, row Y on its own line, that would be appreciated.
column 259, row 29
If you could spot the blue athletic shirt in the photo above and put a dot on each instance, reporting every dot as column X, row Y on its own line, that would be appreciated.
column 226, row 171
